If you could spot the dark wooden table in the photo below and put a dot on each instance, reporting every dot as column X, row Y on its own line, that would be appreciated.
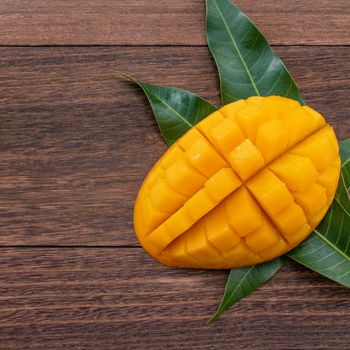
column 75, row 144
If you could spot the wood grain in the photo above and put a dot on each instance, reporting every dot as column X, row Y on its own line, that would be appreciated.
column 171, row 22
column 76, row 142
column 122, row 299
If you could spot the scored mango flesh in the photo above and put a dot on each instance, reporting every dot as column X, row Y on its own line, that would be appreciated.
column 245, row 185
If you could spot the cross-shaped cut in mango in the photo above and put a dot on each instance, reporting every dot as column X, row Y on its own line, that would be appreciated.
column 244, row 214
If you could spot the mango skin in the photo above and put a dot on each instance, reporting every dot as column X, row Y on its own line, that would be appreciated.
column 245, row 185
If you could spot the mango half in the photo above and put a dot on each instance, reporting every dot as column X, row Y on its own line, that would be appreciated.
column 245, row 185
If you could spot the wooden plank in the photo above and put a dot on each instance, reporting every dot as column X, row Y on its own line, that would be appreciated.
column 76, row 141
column 181, row 22
column 122, row 299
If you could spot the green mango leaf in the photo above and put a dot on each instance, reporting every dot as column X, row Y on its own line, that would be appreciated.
column 246, row 63
column 175, row 110
column 327, row 249
column 243, row 281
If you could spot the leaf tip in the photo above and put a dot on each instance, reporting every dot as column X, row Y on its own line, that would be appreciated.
column 123, row 75
column 214, row 317
column 211, row 320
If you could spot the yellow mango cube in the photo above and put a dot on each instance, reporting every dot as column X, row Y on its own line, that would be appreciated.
column 159, row 239
column 165, row 198
column 156, row 173
column 230, row 110
column 317, row 119
column 227, row 135
column 246, row 159
column 184, row 177
column 271, row 252
column 272, row 139
column 263, row 237
column 172, row 155
column 289, row 219
column 298, row 123
column 315, row 219
column 250, row 118
column 222, row 184
column 191, row 136
column 274, row 106
column 198, row 244
column 219, row 231
column 299, row 235
column 205, row 158
column 297, row 172
column 178, row 223
column 151, row 216
column 270, row 191
column 206, row 125
column 244, row 213
column 320, row 147
column 242, row 255
column 255, row 100
column 328, row 178
column 312, row 200
column 177, row 251
column 200, row 204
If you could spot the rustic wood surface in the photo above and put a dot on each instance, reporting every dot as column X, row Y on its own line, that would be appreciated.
column 154, row 22
column 75, row 144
